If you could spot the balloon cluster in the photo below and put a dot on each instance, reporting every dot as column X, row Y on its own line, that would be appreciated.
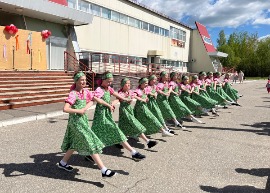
column 11, row 29
column 45, row 34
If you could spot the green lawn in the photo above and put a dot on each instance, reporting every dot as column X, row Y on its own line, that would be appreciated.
column 256, row 78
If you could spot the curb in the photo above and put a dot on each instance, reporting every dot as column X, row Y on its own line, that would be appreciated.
column 40, row 116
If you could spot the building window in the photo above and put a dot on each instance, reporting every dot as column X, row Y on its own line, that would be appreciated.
column 123, row 59
column 166, row 33
column 72, row 4
column 84, row 6
column 144, row 25
column 115, row 16
column 151, row 28
column 123, row 19
column 156, row 29
column 178, row 34
column 95, row 9
column 106, row 13
column 184, row 36
column 134, row 22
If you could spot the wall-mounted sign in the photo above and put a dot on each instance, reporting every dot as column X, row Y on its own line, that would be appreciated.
column 205, row 38
column 178, row 43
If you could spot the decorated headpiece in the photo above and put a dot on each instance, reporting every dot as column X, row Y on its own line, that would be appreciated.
column 218, row 73
column 185, row 78
column 202, row 73
column 209, row 73
column 194, row 77
column 107, row 76
column 152, row 77
column 172, row 74
column 124, row 81
column 77, row 76
column 143, row 80
column 162, row 74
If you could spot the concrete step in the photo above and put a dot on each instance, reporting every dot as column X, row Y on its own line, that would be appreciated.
column 28, row 82
column 35, row 84
column 21, row 77
column 34, row 88
column 32, row 93
column 30, row 103
column 32, row 98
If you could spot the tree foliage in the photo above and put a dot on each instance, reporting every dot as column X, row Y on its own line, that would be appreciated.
column 246, row 52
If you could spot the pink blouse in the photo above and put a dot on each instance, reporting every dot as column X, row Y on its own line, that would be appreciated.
column 172, row 84
column 86, row 94
column 226, row 80
column 139, row 92
column 130, row 94
column 199, row 82
column 149, row 89
column 160, row 86
column 99, row 92
column 187, row 86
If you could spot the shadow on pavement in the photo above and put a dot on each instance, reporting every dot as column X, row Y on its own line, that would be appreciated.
column 232, row 189
column 260, row 172
column 263, row 128
column 45, row 166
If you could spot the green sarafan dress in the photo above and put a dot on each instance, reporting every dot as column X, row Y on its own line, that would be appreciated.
column 213, row 94
column 204, row 101
column 179, row 108
column 222, row 92
column 145, row 116
column 127, row 121
column 104, row 126
column 79, row 136
column 230, row 91
column 163, row 102
column 153, row 106
column 189, row 102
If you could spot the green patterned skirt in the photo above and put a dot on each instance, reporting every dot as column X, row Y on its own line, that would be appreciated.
column 204, row 101
column 146, row 118
column 223, row 93
column 80, row 137
column 193, row 106
column 127, row 121
column 231, row 91
column 178, row 107
column 153, row 107
column 215, row 96
column 165, row 107
column 105, row 128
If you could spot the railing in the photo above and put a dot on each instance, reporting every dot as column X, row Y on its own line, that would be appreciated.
column 122, row 65
column 74, row 65
column 228, row 70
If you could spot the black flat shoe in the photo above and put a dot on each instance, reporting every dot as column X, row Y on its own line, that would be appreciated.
column 109, row 173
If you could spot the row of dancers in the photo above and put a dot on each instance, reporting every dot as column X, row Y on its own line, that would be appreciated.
column 157, row 101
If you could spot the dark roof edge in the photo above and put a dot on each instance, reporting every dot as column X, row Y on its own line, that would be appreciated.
column 158, row 13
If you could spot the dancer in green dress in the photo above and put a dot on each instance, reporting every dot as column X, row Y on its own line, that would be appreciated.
column 152, row 105
column 219, row 89
column 229, row 90
column 164, row 91
column 206, row 103
column 103, row 124
column 144, row 115
column 211, row 90
column 79, row 137
column 194, row 106
column 127, row 121
column 178, row 107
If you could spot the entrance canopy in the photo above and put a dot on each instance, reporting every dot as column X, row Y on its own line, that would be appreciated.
column 217, row 54
column 46, row 10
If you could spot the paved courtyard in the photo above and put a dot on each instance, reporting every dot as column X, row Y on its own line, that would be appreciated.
column 230, row 153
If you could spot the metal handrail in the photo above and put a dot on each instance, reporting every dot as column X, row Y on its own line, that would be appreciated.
column 71, row 63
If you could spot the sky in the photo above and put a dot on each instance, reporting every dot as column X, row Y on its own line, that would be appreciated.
column 231, row 16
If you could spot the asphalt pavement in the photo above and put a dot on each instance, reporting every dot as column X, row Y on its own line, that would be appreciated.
column 229, row 153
